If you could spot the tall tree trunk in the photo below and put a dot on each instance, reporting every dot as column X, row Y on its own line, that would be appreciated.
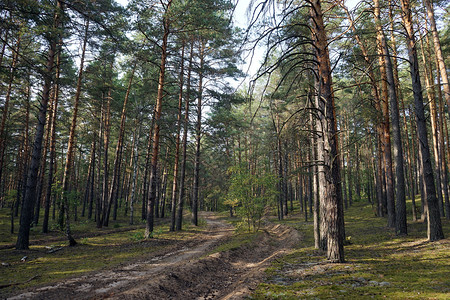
column 25, row 217
column 402, row 209
column 320, row 166
column 135, row 171
column 386, row 94
column 315, row 195
column 106, row 135
column 177, row 144
column 357, row 171
column 113, row 195
column 349, row 165
column 438, row 51
column 156, row 134
column 26, row 151
column 43, row 167
column 89, row 178
column 428, row 70
column 195, row 198
column 434, row 228
column 415, row 166
column 92, row 181
column 5, row 112
column 332, row 197
column 71, row 143
column 400, row 205
column 179, row 219
column 99, row 196
column 146, row 171
column 443, row 166
column 380, row 132
column 285, row 181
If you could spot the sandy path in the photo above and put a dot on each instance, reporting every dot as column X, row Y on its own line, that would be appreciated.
column 181, row 273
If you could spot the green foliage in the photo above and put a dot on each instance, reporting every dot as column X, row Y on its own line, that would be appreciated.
column 11, row 196
column 251, row 194
column 137, row 236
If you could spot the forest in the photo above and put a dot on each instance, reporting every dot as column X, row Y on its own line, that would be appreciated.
column 287, row 133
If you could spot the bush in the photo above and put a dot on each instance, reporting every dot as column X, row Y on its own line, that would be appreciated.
column 251, row 194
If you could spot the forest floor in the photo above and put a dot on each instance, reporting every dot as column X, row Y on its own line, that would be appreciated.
column 210, row 263
column 213, row 261
column 379, row 264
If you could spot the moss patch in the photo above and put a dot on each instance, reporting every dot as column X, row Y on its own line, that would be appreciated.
column 96, row 250
column 378, row 265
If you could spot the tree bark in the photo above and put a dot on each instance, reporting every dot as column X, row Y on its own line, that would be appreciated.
column 400, row 204
column 113, row 195
column 106, row 134
column 438, row 52
column 315, row 195
column 177, row 144
column 434, row 228
column 443, row 166
column 24, row 229
column 428, row 70
column 135, row 171
column 5, row 112
column 156, row 133
column 332, row 198
column 195, row 198
column 385, row 96
column 71, row 143
column 179, row 219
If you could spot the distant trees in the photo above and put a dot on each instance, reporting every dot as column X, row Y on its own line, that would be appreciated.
column 135, row 109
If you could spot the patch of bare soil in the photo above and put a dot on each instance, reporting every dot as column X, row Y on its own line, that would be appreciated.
column 183, row 272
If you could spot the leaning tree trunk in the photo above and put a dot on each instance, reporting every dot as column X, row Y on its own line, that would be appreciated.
column 156, row 133
column 332, row 197
column 434, row 228
column 30, row 191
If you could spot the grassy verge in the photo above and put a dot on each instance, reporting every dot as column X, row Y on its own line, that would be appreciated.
column 97, row 249
column 378, row 264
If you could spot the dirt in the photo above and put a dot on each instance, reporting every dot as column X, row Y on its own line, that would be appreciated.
column 184, row 271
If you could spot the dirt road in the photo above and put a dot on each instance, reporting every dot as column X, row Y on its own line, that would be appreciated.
column 184, row 271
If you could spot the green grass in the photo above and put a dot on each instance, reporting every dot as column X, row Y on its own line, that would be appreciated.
column 379, row 265
column 237, row 241
column 97, row 249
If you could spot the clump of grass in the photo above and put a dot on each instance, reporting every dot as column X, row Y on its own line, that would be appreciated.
column 378, row 264
column 237, row 241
